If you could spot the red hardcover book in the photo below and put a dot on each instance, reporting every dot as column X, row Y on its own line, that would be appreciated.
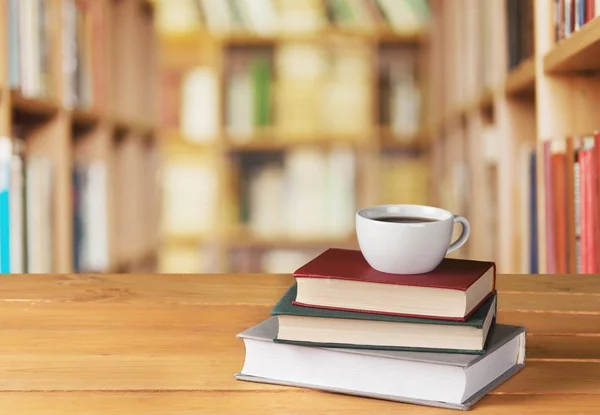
column 596, row 186
column 593, row 209
column 587, row 212
column 341, row 279
column 570, row 206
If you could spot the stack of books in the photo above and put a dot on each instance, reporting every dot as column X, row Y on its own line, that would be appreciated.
column 429, row 339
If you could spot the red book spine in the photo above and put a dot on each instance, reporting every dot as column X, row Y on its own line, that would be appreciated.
column 590, row 11
column 592, row 180
column 597, row 200
column 587, row 217
column 583, row 172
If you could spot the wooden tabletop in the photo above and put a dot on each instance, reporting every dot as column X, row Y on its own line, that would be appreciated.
column 165, row 344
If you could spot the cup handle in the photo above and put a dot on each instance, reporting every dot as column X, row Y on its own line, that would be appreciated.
column 466, row 231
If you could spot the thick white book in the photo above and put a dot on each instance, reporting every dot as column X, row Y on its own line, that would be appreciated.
column 447, row 380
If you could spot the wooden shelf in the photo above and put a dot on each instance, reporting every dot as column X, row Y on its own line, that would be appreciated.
column 125, row 125
column 39, row 107
column 185, row 240
column 484, row 102
column 129, row 265
column 579, row 53
column 85, row 118
column 246, row 241
column 261, row 142
column 391, row 142
column 281, row 145
column 245, row 38
column 521, row 80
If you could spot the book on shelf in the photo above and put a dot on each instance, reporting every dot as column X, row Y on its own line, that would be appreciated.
column 519, row 31
column 571, row 15
column 26, row 210
column 90, row 227
column 341, row 279
column 178, row 16
column 302, row 194
column 447, row 380
column 30, row 45
column 200, row 89
column 5, row 205
column 311, row 326
column 190, row 198
column 268, row 17
column 301, row 16
column 572, row 189
column 248, row 93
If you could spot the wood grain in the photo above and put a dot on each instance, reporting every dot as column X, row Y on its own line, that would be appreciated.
column 290, row 402
column 157, row 344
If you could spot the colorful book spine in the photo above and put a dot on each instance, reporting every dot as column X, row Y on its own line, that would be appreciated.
column 5, row 161
column 533, row 263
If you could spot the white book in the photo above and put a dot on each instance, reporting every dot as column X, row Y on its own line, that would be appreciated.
column 17, row 221
column 189, row 199
column 240, row 106
column 69, row 60
column 266, row 202
column 95, row 256
column 177, row 16
column 5, row 158
column 306, row 193
column 448, row 380
column 218, row 15
column 262, row 15
column 30, row 79
column 199, row 108
column 301, row 16
column 341, row 205
column 39, row 216
column 406, row 99
column 401, row 16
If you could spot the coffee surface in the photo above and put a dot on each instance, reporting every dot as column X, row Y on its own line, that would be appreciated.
column 405, row 219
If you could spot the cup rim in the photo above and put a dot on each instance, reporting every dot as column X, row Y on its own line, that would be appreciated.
column 361, row 211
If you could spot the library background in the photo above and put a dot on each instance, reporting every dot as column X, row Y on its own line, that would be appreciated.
column 201, row 136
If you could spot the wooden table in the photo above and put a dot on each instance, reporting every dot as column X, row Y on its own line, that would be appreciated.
column 159, row 344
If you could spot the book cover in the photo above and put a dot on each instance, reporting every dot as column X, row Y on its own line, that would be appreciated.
column 501, row 334
column 5, row 158
column 570, row 206
column 349, row 264
column 285, row 306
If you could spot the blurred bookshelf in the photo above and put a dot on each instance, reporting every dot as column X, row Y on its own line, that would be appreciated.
column 78, row 149
column 516, row 131
column 280, row 118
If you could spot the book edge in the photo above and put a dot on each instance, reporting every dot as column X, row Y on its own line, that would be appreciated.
column 465, row 406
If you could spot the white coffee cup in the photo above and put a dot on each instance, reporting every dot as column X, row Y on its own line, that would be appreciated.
column 407, row 248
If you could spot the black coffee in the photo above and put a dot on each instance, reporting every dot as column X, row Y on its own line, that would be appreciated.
column 405, row 219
